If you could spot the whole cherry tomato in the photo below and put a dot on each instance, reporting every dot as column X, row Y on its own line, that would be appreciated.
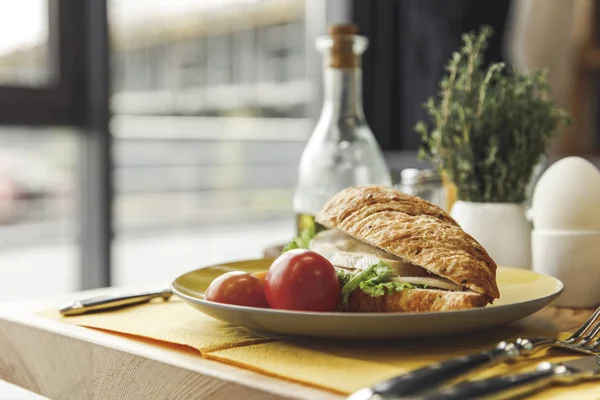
column 237, row 287
column 302, row 280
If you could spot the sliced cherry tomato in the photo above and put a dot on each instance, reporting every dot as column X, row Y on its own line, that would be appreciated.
column 302, row 280
column 237, row 287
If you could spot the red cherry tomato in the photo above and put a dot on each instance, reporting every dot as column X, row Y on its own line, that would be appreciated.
column 237, row 287
column 302, row 280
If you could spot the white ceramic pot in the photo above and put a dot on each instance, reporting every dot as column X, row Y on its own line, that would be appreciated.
column 573, row 257
column 501, row 228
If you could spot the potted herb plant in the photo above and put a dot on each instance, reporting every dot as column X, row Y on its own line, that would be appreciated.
column 490, row 127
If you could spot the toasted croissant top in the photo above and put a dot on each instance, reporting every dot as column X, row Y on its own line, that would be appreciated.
column 414, row 230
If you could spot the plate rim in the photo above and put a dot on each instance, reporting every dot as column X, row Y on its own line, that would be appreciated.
column 324, row 314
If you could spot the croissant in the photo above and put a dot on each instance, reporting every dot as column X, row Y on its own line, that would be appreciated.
column 407, row 231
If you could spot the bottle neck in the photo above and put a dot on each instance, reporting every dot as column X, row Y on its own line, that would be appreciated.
column 343, row 93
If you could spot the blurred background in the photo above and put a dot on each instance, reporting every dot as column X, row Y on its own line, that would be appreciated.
column 143, row 138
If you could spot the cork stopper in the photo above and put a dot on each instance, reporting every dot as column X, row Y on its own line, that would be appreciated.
column 342, row 46
column 343, row 29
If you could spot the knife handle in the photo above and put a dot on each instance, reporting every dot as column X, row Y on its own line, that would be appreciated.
column 425, row 378
column 505, row 387
column 104, row 303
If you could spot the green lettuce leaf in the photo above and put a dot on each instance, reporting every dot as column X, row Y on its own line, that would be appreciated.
column 302, row 240
column 375, row 274
column 383, row 288
column 374, row 281
column 344, row 277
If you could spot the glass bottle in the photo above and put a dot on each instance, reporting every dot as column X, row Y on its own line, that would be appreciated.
column 342, row 150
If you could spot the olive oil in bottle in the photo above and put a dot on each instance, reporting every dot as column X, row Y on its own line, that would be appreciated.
column 307, row 221
column 342, row 150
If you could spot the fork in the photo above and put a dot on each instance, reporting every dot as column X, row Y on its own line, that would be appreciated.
column 586, row 340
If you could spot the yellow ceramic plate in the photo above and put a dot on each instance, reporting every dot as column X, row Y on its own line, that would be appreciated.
column 522, row 293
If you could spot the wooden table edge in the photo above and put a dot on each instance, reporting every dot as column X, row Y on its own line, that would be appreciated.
column 20, row 329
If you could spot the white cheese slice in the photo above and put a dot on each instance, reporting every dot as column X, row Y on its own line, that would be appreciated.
column 344, row 251
column 432, row 282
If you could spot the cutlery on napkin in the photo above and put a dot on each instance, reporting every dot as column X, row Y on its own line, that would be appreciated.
column 502, row 387
column 109, row 302
column 510, row 386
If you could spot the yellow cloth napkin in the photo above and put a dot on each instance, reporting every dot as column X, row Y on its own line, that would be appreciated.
column 172, row 321
column 334, row 367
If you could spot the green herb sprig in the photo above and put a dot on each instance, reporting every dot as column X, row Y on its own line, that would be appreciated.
column 490, row 126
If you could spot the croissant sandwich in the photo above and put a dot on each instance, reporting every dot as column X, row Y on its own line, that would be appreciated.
column 399, row 253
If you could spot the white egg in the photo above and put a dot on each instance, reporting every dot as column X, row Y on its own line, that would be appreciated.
column 567, row 196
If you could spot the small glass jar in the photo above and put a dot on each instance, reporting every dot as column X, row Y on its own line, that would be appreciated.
column 424, row 183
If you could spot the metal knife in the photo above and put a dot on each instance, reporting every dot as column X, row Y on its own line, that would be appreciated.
column 422, row 379
column 110, row 302
column 506, row 387
column 511, row 386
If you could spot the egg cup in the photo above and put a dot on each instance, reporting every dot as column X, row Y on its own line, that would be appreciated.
column 574, row 258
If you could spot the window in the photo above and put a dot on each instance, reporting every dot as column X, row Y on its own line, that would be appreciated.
column 206, row 121
column 189, row 63
column 219, row 60
column 55, row 145
column 24, row 44
column 243, row 61
column 207, row 132
column 38, row 212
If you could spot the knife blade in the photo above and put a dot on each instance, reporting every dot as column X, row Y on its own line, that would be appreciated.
column 510, row 386
column 111, row 302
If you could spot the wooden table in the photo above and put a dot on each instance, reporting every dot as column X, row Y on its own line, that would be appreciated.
column 63, row 361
